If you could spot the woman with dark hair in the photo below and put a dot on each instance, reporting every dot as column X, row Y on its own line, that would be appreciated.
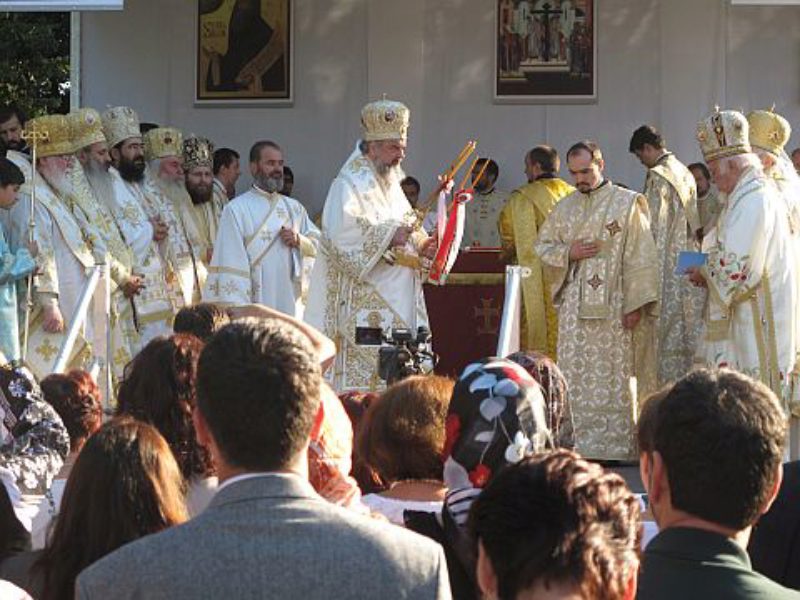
column 125, row 484
column 400, row 441
column 76, row 398
column 159, row 388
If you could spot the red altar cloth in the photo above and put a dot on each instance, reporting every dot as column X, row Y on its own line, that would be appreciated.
column 465, row 313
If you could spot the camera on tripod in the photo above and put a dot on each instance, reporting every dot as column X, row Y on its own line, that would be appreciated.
column 401, row 353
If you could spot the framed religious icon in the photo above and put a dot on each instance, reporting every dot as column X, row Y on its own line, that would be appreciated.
column 545, row 51
column 244, row 52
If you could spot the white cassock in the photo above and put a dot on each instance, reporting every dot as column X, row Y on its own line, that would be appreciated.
column 251, row 263
column 750, row 272
column 63, row 260
column 352, row 284
column 153, row 305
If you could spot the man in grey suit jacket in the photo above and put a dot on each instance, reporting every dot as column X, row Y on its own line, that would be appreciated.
column 266, row 534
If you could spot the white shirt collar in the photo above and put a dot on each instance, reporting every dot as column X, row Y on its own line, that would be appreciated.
column 246, row 476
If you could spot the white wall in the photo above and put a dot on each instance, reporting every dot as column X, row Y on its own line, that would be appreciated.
column 664, row 62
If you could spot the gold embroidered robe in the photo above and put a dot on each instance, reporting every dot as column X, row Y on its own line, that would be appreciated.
column 671, row 195
column 352, row 284
column 153, row 306
column 600, row 359
column 520, row 221
column 751, row 276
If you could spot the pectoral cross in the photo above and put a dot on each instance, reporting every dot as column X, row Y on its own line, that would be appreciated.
column 546, row 12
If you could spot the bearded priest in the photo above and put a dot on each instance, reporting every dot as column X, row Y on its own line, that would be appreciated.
column 262, row 239
column 368, row 274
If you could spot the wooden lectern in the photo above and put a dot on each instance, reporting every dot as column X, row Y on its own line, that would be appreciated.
column 466, row 311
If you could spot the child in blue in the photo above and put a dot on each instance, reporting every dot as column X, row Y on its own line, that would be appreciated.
column 14, row 265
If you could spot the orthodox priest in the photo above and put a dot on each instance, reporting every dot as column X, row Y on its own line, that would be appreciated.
column 671, row 195
column 750, row 271
column 519, row 224
column 368, row 274
column 600, row 261
column 120, row 188
column 262, row 239
column 204, row 211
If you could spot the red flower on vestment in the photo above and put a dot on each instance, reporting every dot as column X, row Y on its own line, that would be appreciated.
column 736, row 276
column 452, row 429
column 479, row 476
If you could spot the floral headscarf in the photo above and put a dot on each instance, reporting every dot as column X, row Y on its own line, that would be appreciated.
column 33, row 440
column 496, row 417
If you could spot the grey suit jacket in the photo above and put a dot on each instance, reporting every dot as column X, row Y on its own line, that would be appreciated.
column 272, row 537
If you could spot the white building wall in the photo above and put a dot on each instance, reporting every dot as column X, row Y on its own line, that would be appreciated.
column 664, row 62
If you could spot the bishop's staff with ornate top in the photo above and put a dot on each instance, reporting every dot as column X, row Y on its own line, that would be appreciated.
column 33, row 136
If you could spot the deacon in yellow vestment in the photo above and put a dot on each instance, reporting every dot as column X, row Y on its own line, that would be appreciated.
column 519, row 225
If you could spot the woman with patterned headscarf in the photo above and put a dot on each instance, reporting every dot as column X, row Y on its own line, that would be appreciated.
column 496, row 417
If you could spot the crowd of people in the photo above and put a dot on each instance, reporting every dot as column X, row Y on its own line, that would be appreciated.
column 248, row 446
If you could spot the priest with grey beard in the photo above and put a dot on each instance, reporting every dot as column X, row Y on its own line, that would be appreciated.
column 369, row 274
column 262, row 239
column 166, row 197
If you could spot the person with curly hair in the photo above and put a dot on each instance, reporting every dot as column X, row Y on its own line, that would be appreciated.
column 159, row 388
column 557, row 526
column 76, row 398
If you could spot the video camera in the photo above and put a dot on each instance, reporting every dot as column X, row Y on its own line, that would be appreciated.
column 401, row 354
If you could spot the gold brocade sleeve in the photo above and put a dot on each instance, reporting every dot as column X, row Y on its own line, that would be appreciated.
column 639, row 262
column 505, row 227
column 552, row 247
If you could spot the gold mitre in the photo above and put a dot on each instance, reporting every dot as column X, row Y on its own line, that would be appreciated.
column 161, row 142
column 119, row 124
column 197, row 152
column 87, row 128
column 56, row 141
column 384, row 120
column 725, row 133
column 768, row 131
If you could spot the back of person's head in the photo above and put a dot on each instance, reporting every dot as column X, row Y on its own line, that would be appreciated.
column 125, row 484
column 646, row 425
column 258, row 389
column 159, row 387
column 76, row 398
column 402, row 434
column 721, row 437
column 555, row 521
column 10, row 174
column 646, row 134
column 202, row 320
column 702, row 168
column 546, row 157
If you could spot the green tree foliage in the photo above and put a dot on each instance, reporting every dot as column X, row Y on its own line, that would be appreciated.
column 34, row 61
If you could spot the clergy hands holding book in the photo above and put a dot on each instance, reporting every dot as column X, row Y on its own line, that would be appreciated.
column 581, row 249
column 696, row 276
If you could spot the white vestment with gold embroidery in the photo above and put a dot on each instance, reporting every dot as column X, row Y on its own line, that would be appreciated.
column 608, row 368
column 153, row 306
column 352, row 284
column 251, row 263
column 751, row 277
